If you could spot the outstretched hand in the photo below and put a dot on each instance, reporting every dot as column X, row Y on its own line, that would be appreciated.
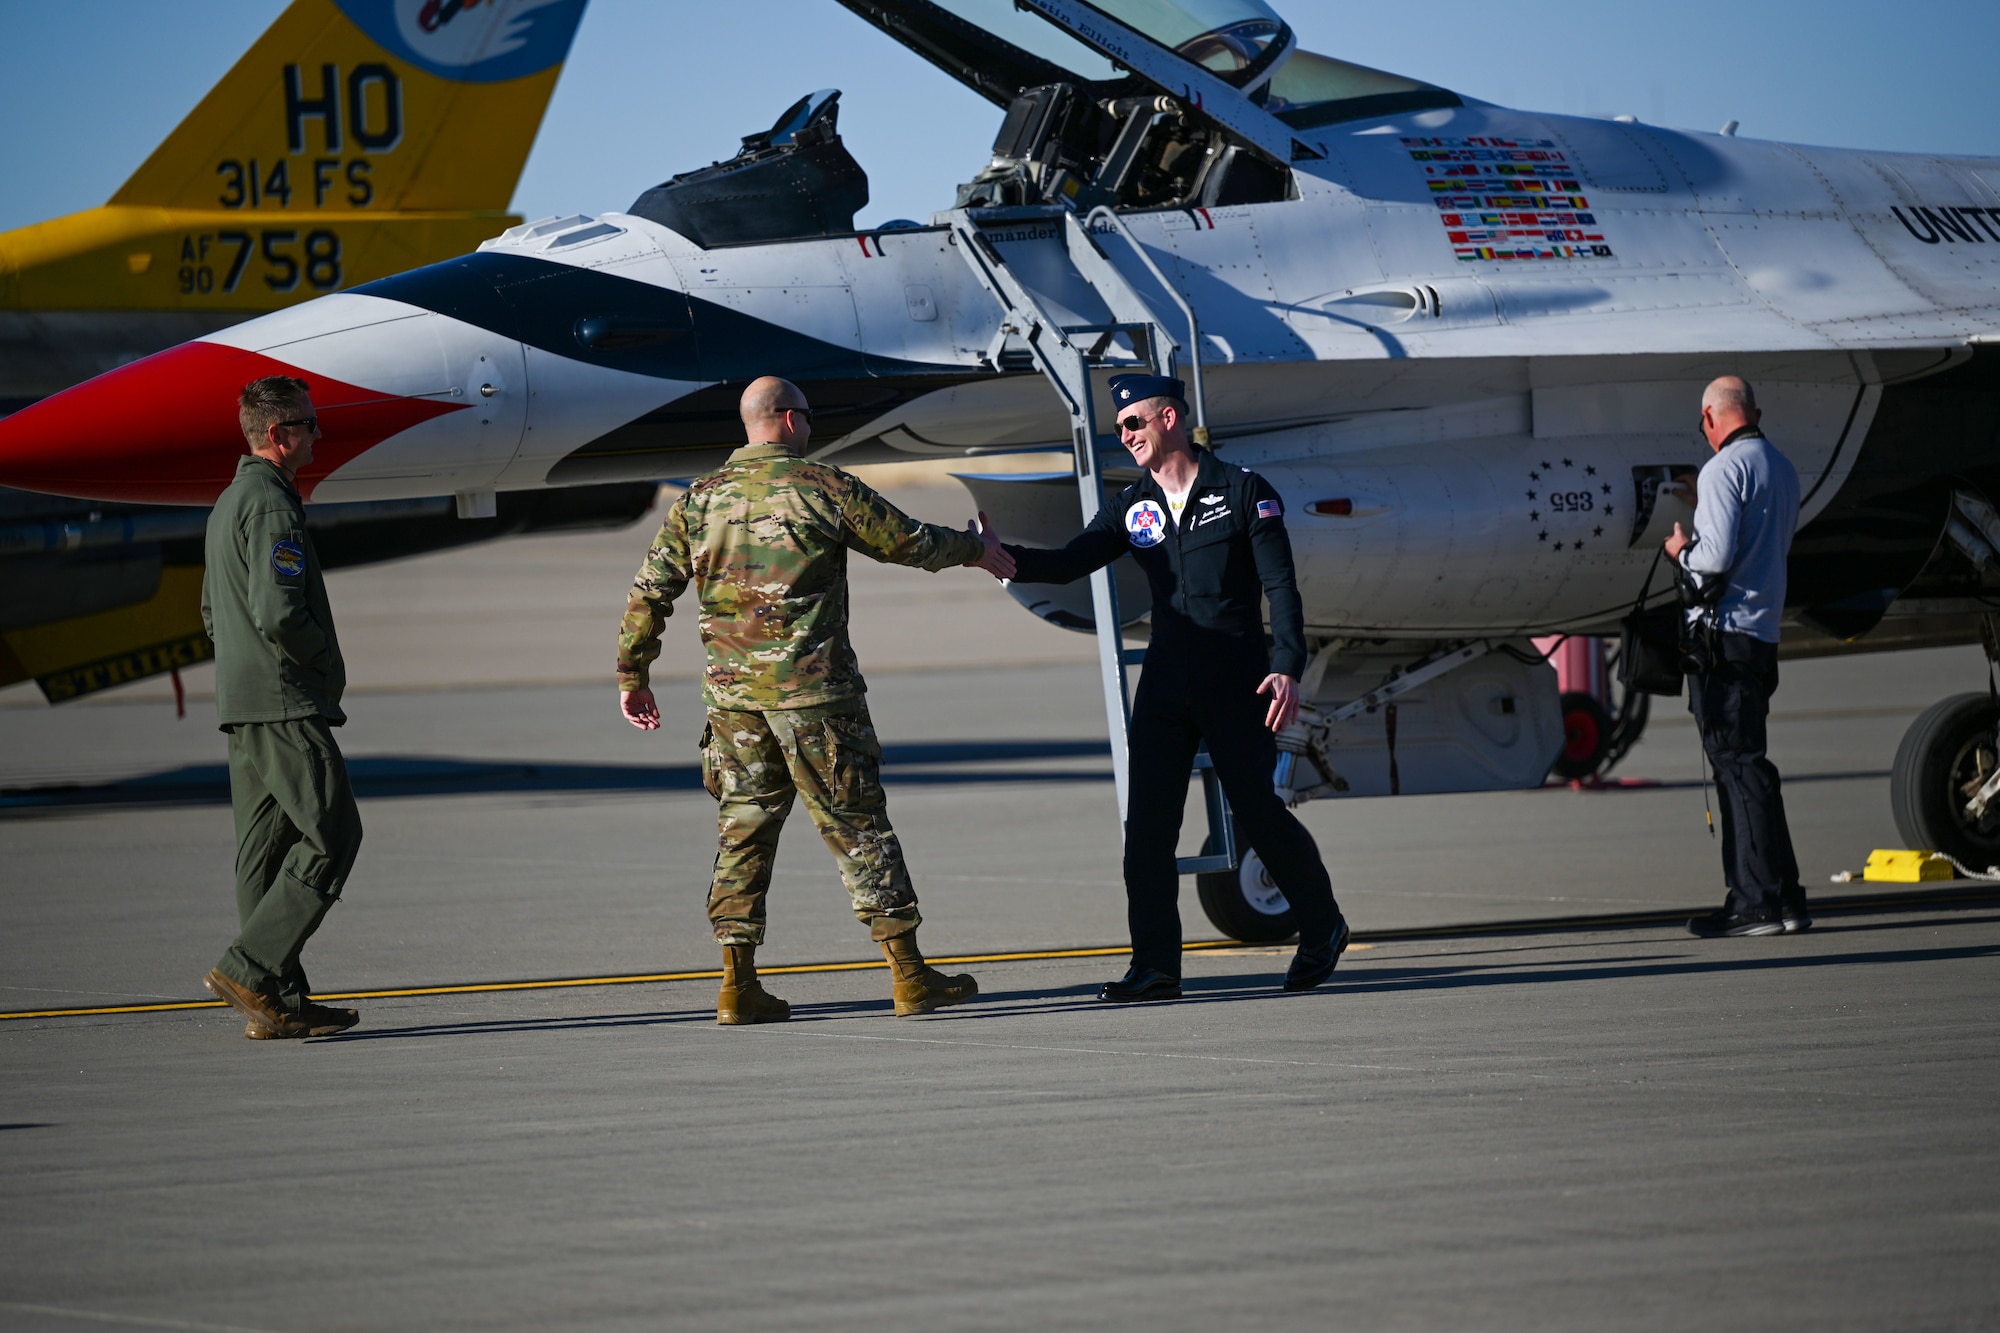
column 1284, row 709
column 994, row 559
column 1676, row 544
column 640, row 708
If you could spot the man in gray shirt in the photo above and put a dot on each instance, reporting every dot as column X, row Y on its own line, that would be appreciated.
column 1747, row 507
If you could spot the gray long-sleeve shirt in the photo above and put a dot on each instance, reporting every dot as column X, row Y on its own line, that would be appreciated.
column 1747, row 506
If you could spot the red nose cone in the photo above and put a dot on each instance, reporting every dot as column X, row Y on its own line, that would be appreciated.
column 164, row 431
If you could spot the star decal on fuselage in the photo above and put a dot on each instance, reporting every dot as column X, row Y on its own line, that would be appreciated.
column 1563, row 518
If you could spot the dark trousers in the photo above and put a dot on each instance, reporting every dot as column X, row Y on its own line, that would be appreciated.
column 297, row 833
column 1190, row 694
column 1730, row 705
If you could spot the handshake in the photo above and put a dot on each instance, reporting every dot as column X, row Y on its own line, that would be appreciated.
column 994, row 559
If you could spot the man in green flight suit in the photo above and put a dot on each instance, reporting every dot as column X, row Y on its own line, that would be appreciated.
column 764, row 539
column 278, row 681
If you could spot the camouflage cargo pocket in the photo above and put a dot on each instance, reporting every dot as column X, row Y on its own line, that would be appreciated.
column 710, row 778
column 854, row 779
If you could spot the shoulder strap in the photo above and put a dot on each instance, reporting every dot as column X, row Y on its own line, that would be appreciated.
column 1647, row 590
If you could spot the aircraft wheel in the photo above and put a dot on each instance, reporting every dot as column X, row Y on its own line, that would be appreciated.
column 1946, row 756
column 1587, row 730
column 1244, row 903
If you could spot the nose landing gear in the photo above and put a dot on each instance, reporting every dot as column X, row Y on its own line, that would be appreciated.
column 1246, row 903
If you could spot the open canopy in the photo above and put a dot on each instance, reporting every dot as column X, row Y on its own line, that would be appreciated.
column 1125, row 103
column 1001, row 51
column 1169, row 104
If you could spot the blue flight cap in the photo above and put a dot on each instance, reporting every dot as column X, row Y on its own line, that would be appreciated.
column 1129, row 389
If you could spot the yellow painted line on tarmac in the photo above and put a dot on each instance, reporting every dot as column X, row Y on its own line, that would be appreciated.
column 636, row 979
column 117, row 1009
column 1899, row 901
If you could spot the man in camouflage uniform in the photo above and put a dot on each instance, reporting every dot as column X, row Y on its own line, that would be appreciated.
column 764, row 539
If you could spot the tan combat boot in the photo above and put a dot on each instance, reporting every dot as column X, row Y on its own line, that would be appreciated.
column 920, row 987
column 743, row 999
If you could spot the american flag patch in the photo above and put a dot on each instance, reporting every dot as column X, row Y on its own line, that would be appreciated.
column 1270, row 509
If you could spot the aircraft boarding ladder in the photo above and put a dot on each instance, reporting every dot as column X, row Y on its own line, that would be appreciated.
column 1065, row 354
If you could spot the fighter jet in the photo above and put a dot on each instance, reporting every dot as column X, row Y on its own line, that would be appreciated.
column 353, row 140
column 1465, row 342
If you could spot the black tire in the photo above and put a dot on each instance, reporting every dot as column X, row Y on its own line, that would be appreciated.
column 1946, row 755
column 1587, row 734
column 1244, row 904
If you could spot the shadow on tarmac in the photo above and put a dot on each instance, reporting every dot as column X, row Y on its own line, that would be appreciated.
column 382, row 776
column 1616, row 787
column 501, row 1026
column 1449, row 978
column 1977, row 896
column 704, row 1016
column 1238, row 988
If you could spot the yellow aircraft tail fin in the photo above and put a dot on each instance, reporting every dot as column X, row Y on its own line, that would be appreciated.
column 369, row 106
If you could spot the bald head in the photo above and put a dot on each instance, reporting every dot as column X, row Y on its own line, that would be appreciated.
column 1731, row 393
column 1727, row 406
column 764, row 404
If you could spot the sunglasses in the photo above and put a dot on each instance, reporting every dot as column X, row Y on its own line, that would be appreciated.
column 310, row 423
column 805, row 412
column 1135, row 423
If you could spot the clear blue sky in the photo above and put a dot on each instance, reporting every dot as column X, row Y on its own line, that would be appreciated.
column 88, row 87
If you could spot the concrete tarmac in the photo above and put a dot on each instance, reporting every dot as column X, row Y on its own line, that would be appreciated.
column 1606, row 1124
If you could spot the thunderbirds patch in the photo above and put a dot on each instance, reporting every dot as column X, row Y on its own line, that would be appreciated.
column 1147, row 523
column 288, row 558
column 1509, row 199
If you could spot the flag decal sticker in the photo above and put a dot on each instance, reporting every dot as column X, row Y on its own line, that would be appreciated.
column 1504, row 199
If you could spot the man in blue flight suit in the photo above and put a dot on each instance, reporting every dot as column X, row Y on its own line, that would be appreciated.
column 1747, row 504
column 1211, row 540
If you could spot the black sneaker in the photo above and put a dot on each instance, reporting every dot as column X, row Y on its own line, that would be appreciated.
column 1728, row 924
column 1310, row 967
column 1141, row 983
column 1792, row 911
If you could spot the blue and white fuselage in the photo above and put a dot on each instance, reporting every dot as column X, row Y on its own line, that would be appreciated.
column 1463, row 343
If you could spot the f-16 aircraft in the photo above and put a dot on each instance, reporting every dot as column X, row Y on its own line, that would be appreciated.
column 1466, row 343
column 355, row 138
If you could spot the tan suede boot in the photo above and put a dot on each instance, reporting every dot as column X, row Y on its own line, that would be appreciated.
column 743, row 999
column 920, row 987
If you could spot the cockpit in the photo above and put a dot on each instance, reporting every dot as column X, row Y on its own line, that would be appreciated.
column 1081, row 128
